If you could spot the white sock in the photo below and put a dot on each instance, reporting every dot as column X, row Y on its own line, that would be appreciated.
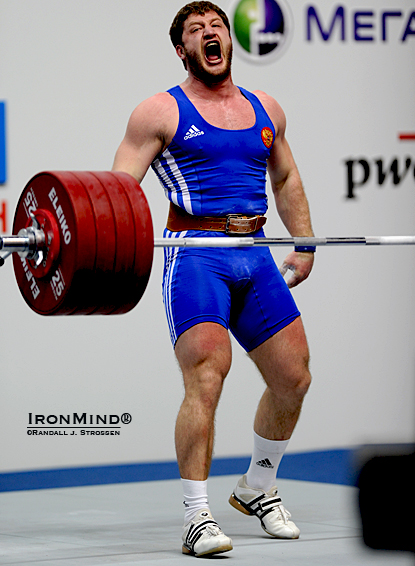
column 195, row 498
column 266, row 457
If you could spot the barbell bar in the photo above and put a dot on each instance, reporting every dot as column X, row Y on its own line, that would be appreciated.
column 236, row 242
column 84, row 243
column 22, row 244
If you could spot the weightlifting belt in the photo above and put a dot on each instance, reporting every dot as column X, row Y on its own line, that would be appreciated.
column 179, row 220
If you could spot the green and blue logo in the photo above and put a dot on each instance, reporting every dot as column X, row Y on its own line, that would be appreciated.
column 262, row 28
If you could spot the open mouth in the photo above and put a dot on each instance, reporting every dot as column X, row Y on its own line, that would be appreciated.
column 212, row 52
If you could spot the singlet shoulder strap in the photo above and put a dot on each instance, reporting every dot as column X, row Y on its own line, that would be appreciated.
column 253, row 99
column 186, row 108
column 178, row 94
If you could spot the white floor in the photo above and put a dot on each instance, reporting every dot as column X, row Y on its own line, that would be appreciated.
column 140, row 523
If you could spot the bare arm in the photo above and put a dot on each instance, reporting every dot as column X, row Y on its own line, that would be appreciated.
column 290, row 198
column 150, row 129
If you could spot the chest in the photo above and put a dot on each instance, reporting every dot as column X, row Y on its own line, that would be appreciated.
column 233, row 114
column 221, row 137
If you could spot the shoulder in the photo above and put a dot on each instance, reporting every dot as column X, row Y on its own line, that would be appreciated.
column 158, row 107
column 273, row 109
column 157, row 116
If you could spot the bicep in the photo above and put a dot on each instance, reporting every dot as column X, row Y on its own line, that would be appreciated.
column 134, row 157
column 280, row 162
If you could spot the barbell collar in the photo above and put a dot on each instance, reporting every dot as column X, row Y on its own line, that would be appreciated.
column 12, row 244
column 29, row 243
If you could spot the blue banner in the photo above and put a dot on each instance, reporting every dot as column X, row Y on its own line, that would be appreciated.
column 3, row 169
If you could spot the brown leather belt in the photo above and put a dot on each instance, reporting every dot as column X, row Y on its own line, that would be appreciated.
column 179, row 220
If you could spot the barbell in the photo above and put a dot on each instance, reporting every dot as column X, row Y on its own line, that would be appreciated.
column 84, row 243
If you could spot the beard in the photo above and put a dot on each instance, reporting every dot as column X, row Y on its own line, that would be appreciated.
column 208, row 76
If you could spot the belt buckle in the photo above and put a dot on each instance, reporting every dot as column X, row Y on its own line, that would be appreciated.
column 247, row 230
column 228, row 221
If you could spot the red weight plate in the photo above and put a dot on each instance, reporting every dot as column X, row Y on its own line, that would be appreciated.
column 106, row 250
column 98, row 288
column 78, row 298
column 60, row 290
column 120, row 286
column 144, row 238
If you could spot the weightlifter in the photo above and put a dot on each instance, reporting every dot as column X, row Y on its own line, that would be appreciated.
column 211, row 143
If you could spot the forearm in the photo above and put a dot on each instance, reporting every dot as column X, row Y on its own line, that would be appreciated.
column 292, row 205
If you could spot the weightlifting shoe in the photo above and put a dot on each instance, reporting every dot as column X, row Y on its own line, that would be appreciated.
column 202, row 536
column 267, row 506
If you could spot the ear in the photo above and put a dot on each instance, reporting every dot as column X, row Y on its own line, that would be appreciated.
column 180, row 52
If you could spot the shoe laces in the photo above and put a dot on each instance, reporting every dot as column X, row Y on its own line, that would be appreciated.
column 281, row 513
column 213, row 530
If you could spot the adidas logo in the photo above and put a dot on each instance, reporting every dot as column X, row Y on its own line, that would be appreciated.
column 193, row 132
column 264, row 463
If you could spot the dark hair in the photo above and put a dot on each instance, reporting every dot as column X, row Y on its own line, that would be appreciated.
column 176, row 29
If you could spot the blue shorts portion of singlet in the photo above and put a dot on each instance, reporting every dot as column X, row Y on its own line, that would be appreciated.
column 239, row 288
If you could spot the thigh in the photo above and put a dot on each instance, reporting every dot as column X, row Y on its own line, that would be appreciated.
column 195, row 290
column 264, row 305
column 283, row 358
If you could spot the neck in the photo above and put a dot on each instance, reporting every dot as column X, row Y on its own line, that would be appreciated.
column 200, row 89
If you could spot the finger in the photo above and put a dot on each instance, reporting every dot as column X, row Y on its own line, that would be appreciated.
column 283, row 269
column 293, row 280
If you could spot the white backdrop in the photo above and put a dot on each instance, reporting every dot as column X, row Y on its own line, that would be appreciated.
column 71, row 73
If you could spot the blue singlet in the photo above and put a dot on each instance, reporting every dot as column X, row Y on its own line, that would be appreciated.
column 210, row 171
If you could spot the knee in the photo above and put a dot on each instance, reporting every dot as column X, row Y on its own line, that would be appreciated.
column 204, row 382
column 300, row 378
column 204, row 354
column 295, row 380
column 303, row 382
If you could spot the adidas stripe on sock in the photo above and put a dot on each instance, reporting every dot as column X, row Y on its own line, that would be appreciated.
column 266, row 457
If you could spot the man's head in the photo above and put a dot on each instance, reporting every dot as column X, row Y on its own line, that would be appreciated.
column 201, row 8
column 200, row 33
